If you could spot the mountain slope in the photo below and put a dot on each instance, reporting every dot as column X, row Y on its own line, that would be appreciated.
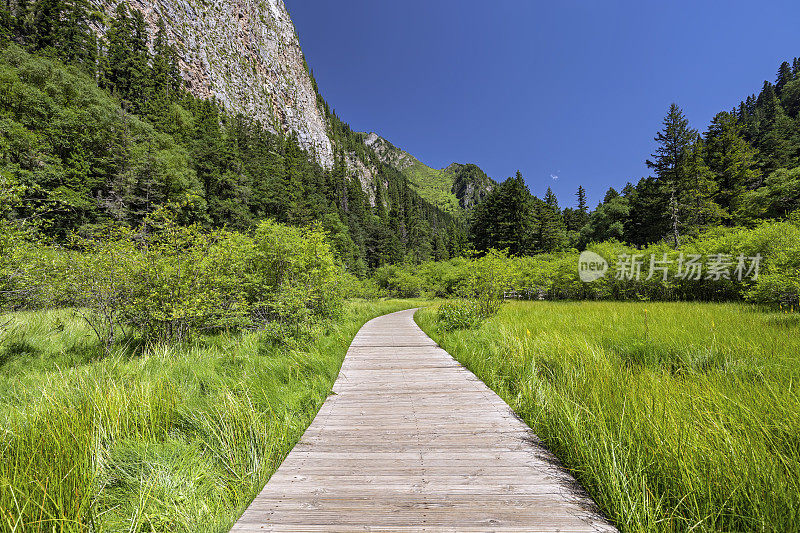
column 246, row 55
column 452, row 189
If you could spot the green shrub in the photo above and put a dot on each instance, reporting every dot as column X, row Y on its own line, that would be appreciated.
column 555, row 276
column 487, row 280
column 169, row 281
column 459, row 314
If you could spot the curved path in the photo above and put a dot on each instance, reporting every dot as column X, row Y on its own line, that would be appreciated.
column 411, row 441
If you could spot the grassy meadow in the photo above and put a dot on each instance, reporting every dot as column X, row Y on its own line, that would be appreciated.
column 167, row 439
column 674, row 416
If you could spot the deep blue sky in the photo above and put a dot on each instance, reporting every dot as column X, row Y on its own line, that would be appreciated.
column 569, row 88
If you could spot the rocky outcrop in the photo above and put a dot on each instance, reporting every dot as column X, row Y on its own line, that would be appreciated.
column 247, row 56
column 458, row 185
column 388, row 153
column 470, row 184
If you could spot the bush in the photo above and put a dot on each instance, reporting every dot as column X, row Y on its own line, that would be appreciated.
column 292, row 275
column 487, row 280
column 170, row 281
column 403, row 281
column 555, row 276
column 459, row 314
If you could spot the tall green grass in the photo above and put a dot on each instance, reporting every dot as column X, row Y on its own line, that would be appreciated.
column 162, row 439
column 674, row 416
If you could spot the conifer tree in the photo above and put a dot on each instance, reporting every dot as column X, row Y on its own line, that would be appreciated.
column 581, row 194
column 505, row 219
column 730, row 159
column 784, row 76
column 582, row 214
column 551, row 229
column 669, row 162
column 76, row 40
column 699, row 209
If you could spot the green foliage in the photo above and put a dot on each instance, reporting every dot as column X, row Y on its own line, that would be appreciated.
column 486, row 281
column 556, row 277
column 434, row 185
column 671, row 162
column 459, row 314
column 470, row 184
column 116, row 137
column 170, row 281
column 505, row 219
column 777, row 198
column 400, row 280
column 100, row 280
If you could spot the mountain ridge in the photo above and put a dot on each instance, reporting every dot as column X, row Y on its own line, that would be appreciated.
column 248, row 58
column 453, row 188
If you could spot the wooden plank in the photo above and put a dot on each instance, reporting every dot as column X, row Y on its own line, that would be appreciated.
column 412, row 441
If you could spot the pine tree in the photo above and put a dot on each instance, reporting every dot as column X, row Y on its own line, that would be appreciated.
column 46, row 24
column 611, row 193
column 165, row 78
column 127, row 58
column 552, row 233
column 730, row 159
column 581, row 194
column 669, row 162
column 76, row 40
column 550, row 199
column 767, row 107
column 784, row 76
column 505, row 219
column 699, row 210
column 575, row 219
column 649, row 214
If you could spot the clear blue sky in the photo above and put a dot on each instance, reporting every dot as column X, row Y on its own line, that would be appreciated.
column 569, row 92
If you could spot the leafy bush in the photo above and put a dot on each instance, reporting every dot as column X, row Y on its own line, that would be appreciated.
column 402, row 280
column 292, row 275
column 170, row 281
column 459, row 314
column 100, row 280
column 487, row 280
column 555, row 276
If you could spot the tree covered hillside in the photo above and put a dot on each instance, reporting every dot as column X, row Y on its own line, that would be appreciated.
column 96, row 131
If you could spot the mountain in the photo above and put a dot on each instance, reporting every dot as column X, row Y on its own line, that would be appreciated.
column 208, row 113
column 245, row 55
column 452, row 189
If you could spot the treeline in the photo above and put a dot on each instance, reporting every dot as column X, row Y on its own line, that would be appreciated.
column 744, row 169
column 757, row 264
column 101, row 131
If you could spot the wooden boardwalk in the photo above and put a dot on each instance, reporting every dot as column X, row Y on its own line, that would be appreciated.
column 411, row 441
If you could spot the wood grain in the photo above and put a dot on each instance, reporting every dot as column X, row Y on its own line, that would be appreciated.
column 409, row 440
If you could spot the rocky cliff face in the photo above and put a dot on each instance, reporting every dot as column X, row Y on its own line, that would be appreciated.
column 246, row 54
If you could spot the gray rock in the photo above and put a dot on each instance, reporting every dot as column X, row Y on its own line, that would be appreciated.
column 247, row 56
